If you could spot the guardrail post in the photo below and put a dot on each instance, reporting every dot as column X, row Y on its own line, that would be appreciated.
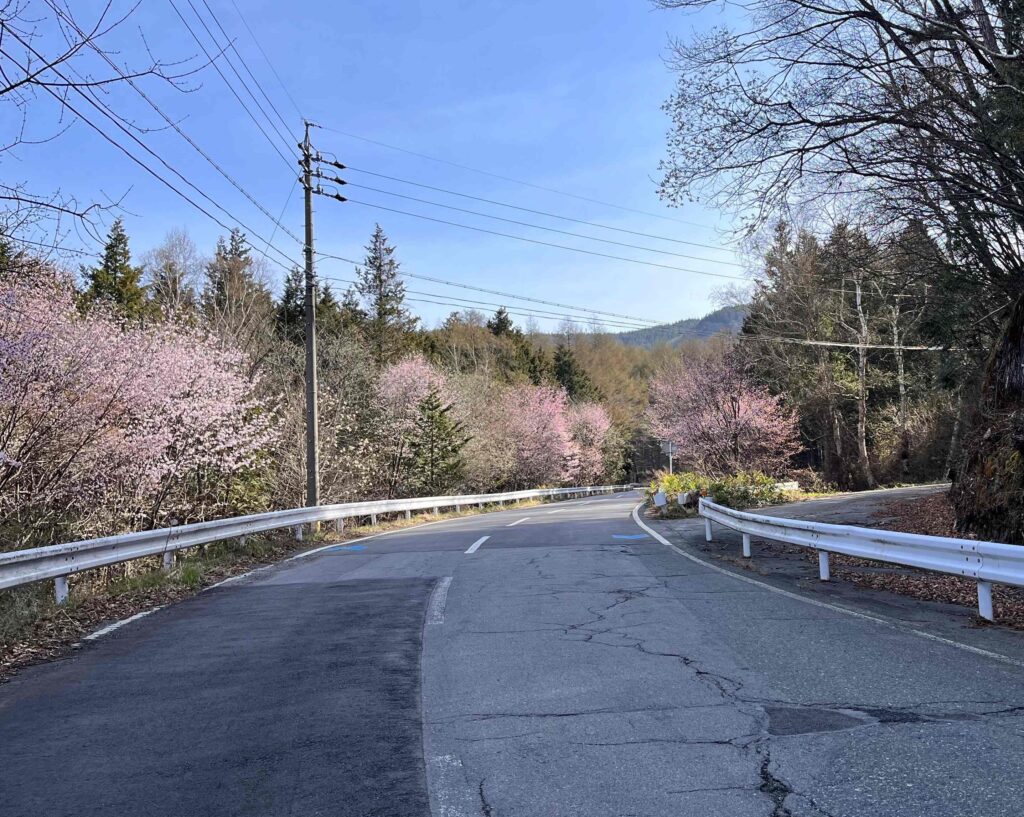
column 408, row 514
column 707, row 530
column 437, row 511
column 298, row 533
column 985, row 601
column 373, row 519
column 168, row 559
column 339, row 525
column 60, row 589
column 746, row 545
column 480, row 505
column 823, row 571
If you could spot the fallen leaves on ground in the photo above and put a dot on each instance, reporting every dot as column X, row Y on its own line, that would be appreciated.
column 932, row 516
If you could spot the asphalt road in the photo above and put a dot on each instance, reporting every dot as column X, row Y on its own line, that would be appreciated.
column 570, row 663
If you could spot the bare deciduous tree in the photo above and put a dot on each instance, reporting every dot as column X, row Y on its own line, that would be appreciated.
column 56, row 69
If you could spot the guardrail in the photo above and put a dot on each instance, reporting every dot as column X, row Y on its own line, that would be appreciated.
column 57, row 562
column 984, row 562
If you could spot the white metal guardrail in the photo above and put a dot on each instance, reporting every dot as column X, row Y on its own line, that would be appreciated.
column 57, row 562
column 984, row 562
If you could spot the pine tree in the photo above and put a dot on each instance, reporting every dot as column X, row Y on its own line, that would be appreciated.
column 388, row 322
column 501, row 323
column 435, row 447
column 572, row 376
column 290, row 312
column 115, row 281
column 230, row 278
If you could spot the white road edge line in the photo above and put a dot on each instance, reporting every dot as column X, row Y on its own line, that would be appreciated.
column 559, row 510
column 885, row 622
column 102, row 631
column 438, row 600
column 476, row 545
column 513, row 524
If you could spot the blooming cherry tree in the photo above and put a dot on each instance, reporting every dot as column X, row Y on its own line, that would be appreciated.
column 101, row 423
column 589, row 425
column 720, row 422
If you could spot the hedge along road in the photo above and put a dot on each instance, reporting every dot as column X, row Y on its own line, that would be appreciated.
column 571, row 664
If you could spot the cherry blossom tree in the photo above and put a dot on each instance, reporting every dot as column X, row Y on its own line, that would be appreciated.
column 103, row 424
column 537, row 423
column 721, row 423
column 589, row 426
column 403, row 386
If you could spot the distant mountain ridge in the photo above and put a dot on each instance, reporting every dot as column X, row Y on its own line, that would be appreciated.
column 728, row 320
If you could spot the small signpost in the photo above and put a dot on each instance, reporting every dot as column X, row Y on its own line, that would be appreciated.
column 669, row 448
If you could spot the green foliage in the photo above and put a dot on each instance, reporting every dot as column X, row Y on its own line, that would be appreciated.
column 573, row 377
column 388, row 323
column 115, row 281
column 231, row 282
column 501, row 323
column 290, row 311
column 744, row 490
column 435, row 447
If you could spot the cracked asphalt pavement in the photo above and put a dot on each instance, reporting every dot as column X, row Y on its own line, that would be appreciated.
column 571, row 665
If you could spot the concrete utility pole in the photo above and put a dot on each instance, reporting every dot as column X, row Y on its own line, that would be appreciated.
column 309, row 307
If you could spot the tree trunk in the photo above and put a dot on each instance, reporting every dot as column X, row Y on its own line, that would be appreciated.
column 901, row 380
column 863, row 462
column 988, row 490
column 954, row 439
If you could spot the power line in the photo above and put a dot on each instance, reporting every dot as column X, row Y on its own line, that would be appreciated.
column 245, row 65
column 64, row 102
column 538, row 242
column 460, row 285
column 269, row 63
column 177, row 128
column 539, row 313
column 517, row 313
column 842, row 345
column 285, row 139
column 336, row 180
column 230, row 87
column 510, row 179
column 529, row 209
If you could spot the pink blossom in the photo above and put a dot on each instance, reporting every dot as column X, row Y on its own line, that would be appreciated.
column 720, row 422
column 103, row 420
column 589, row 425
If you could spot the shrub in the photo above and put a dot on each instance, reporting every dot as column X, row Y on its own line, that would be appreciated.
column 743, row 490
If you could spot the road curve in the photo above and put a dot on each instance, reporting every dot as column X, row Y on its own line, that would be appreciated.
column 555, row 660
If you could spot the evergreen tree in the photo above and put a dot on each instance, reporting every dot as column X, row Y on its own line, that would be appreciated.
column 230, row 278
column 115, row 281
column 572, row 377
column 289, row 316
column 388, row 322
column 290, row 312
column 353, row 316
column 435, row 447
column 501, row 323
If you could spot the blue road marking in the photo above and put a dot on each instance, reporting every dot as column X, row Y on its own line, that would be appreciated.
column 629, row 536
column 346, row 547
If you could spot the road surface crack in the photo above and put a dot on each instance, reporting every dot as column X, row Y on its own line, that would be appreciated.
column 486, row 809
column 777, row 789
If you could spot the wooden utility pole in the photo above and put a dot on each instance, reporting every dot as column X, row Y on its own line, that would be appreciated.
column 309, row 308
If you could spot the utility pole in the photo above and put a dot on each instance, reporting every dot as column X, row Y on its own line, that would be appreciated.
column 309, row 308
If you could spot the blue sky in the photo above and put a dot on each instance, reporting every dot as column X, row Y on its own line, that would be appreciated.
column 564, row 95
